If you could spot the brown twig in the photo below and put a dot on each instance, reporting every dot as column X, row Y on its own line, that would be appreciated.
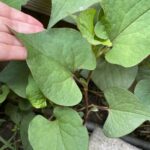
column 86, row 104
column 89, row 77
column 86, row 96
column 96, row 93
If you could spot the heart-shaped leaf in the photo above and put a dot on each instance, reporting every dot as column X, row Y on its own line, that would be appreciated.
column 126, row 112
column 100, row 31
column 15, row 75
column 107, row 75
column 142, row 91
column 85, row 23
column 127, row 24
column 26, row 119
column 15, row 3
column 53, row 57
column 65, row 133
column 34, row 94
column 64, row 8
column 4, row 91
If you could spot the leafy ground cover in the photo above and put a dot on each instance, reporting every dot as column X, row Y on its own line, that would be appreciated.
column 47, row 97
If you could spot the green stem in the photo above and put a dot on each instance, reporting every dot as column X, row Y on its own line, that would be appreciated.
column 102, row 51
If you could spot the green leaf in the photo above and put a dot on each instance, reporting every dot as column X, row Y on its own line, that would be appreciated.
column 2, row 121
column 24, row 105
column 126, row 112
column 15, row 75
column 4, row 91
column 127, row 24
column 144, row 70
column 62, row 52
column 13, row 112
column 85, row 23
column 64, row 8
column 143, row 73
column 107, row 75
column 100, row 31
column 34, row 94
column 142, row 91
column 27, row 117
column 65, row 133
column 15, row 3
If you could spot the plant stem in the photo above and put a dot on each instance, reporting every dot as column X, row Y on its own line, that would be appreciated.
column 86, row 104
column 101, row 51
column 96, row 93
column 83, row 108
column 103, row 108
column 78, row 80
column 51, row 117
column 89, row 77
column 86, row 96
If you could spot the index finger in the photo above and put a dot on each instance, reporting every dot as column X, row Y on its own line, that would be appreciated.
column 13, row 14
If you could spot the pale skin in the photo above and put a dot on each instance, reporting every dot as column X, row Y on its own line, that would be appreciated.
column 10, row 47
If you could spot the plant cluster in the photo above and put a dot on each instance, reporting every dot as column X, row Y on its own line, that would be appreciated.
column 110, row 46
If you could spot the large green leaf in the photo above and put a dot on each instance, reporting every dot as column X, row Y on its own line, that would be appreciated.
column 15, row 75
column 53, row 57
column 34, row 94
column 127, row 24
column 4, row 91
column 142, row 91
column 107, row 75
column 15, row 3
column 64, row 8
column 126, row 112
column 27, row 117
column 85, row 23
column 65, row 133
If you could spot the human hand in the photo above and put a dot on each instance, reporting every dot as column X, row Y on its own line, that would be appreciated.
column 10, row 47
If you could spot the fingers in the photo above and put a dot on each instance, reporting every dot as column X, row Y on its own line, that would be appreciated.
column 11, row 52
column 20, row 26
column 4, row 28
column 10, row 47
column 13, row 14
column 9, row 39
